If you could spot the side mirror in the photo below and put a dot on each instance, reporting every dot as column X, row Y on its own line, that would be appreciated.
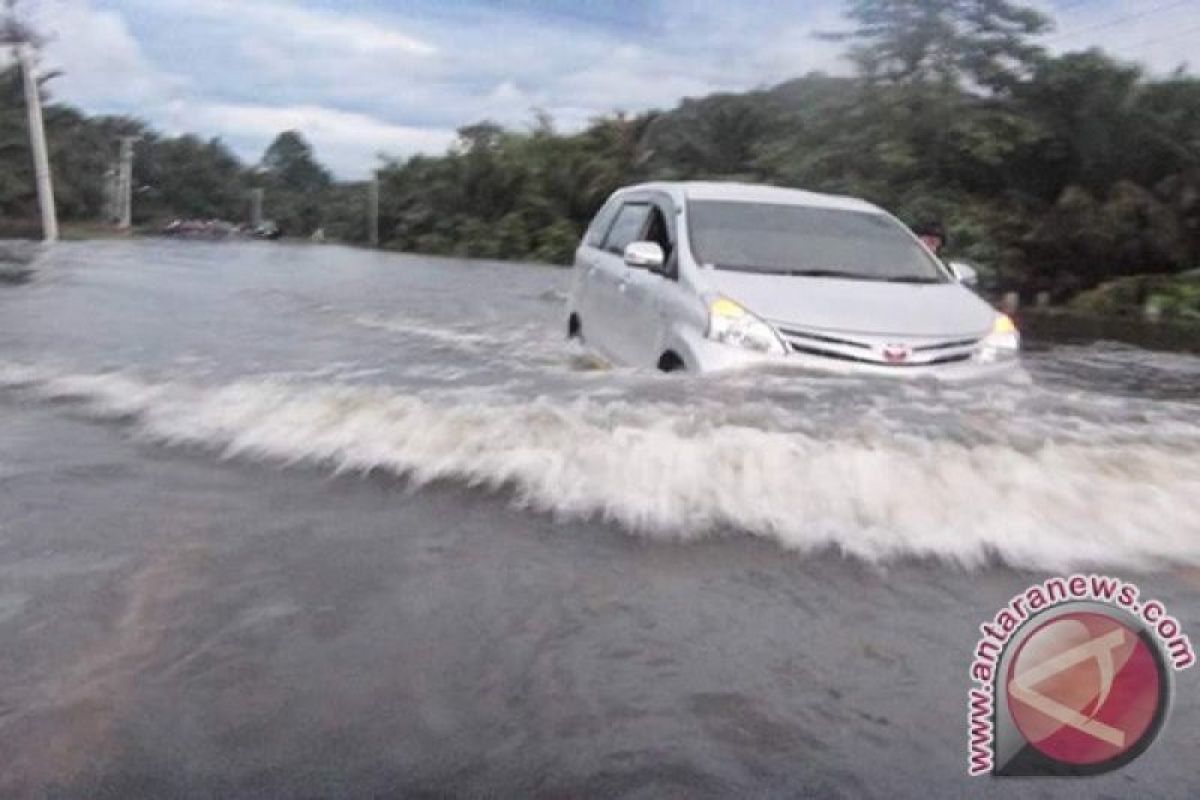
column 964, row 273
column 644, row 255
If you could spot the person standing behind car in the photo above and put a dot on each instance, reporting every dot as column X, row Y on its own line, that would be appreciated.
column 932, row 234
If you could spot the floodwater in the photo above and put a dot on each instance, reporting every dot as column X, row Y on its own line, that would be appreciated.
column 309, row 521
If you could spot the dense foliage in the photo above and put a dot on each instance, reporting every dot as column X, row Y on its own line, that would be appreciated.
column 173, row 177
column 1059, row 171
column 1171, row 297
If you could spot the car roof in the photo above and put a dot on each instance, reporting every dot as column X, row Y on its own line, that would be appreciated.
column 732, row 191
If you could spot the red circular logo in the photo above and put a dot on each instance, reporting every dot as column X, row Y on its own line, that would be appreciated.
column 1084, row 688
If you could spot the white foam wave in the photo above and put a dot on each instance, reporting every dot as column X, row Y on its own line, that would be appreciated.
column 666, row 471
column 410, row 327
column 520, row 344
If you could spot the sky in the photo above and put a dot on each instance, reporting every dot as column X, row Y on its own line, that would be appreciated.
column 364, row 77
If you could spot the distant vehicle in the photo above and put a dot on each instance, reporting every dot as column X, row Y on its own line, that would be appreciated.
column 200, row 228
column 268, row 230
column 708, row 276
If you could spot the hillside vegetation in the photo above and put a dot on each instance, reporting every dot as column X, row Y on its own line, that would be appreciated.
column 1061, row 172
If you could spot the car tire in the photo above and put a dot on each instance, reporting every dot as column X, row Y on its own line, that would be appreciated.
column 671, row 362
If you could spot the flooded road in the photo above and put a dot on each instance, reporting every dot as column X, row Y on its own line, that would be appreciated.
column 283, row 520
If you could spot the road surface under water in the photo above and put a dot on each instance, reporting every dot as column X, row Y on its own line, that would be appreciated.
column 309, row 521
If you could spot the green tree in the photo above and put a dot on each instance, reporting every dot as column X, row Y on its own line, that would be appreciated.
column 190, row 178
column 1060, row 171
column 16, row 169
column 984, row 42
column 15, row 28
column 721, row 136
column 295, row 183
column 289, row 161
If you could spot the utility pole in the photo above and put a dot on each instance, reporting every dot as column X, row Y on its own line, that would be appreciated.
column 37, row 141
column 256, row 207
column 373, row 212
column 108, row 212
column 125, row 183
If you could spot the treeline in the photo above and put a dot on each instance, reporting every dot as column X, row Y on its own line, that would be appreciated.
column 173, row 177
column 1057, row 171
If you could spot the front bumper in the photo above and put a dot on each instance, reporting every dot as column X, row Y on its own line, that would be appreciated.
column 710, row 356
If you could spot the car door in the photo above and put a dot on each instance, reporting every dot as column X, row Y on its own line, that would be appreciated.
column 585, row 302
column 609, row 281
column 642, row 297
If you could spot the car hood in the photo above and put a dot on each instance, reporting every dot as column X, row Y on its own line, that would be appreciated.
column 850, row 306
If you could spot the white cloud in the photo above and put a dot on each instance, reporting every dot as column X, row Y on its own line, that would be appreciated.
column 303, row 26
column 360, row 81
column 346, row 142
column 101, row 61
column 1160, row 36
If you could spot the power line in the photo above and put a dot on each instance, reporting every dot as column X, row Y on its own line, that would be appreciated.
column 1054, row 14
column 1157, row 40
column 1119, row 20
column 1069, row 6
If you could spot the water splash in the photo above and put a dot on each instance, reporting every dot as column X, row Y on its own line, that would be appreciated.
column 1090, row 482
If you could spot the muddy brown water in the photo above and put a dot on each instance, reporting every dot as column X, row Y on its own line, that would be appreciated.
column 309, row 521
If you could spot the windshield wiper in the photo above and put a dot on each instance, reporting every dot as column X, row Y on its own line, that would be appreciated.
column 799, row 273
column 745, row 268
column 912, row 279
column 829, row 272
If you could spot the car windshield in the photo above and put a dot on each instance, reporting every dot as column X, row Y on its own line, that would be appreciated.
column 804, row 240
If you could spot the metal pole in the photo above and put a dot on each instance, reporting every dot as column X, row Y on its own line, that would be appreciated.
column 37, row 140
column 125, row 182
column 373, row 212
column 256, row 206
column 109, row 214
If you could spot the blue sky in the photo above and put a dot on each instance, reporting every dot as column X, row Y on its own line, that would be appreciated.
column 361, row 77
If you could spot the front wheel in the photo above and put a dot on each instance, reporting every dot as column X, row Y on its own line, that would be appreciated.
column 671, row 362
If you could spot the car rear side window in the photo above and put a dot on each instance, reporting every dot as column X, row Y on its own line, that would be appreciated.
column 659, row 232
column 601, row 224
column 628, row 227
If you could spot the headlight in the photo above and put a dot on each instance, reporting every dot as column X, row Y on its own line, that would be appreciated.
column 1003, row 342
column 731, row 324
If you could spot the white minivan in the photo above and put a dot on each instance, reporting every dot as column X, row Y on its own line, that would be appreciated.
column 706, row 276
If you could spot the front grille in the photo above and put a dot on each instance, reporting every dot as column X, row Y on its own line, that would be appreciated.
column 951, row 359
column 923, row 351
column 814, row 351
column 925, row 348
column 794, row 334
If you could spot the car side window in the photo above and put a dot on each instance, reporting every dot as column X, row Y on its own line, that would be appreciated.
column 601, row 223
column 628, row 227
column 660, row 233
